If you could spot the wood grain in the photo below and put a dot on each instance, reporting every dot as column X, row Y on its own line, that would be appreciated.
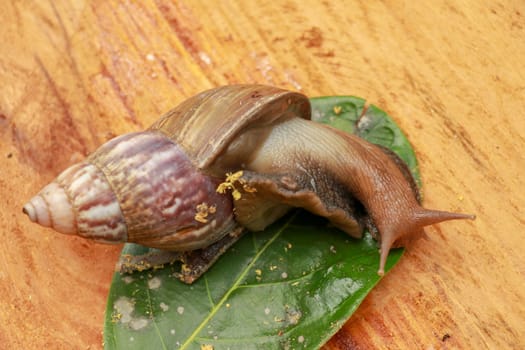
column 452, row 74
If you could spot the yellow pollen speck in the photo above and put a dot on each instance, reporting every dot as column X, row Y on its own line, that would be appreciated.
column 249, row 189
column 206, row 347
column 258, row 272
column 128, row 264
column 158, row 267
column 142, row 266
column 229, row 184
column 236, row 195
column 185, row 269
column 115, row 317
column 234, row 177
column 337, row 110
column 202, row 212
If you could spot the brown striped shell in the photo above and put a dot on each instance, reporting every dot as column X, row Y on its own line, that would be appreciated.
column 139, row 187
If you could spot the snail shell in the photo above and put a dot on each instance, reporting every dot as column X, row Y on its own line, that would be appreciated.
column 159, row 187
column 139, row 187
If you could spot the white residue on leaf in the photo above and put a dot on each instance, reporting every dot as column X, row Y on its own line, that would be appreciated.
column 267, row 311
column 284, row 275
column 172, row 331
column 164, row 307
column 293, row 316
column 364, row 122
column 300, row 339
column 154, row 283
column 317, row 115
column 127, row 279
column 180, row 310
column 124, row 307
column 138, row 323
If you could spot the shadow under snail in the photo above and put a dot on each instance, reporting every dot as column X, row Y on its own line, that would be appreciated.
column 232, row 158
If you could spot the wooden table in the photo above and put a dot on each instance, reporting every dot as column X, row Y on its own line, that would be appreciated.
column 451, row 73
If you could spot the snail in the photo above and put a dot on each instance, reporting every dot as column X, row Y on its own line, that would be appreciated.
column 233, row 158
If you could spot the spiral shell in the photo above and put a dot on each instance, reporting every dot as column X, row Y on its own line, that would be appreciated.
column 79, row 201
column 139, row 187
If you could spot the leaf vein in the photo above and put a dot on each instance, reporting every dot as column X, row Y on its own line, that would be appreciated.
column 287, row 281
column 152, row 316
column 208, row 291
column 235, row 285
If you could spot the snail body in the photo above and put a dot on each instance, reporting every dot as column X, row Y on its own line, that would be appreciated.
column 240, row 155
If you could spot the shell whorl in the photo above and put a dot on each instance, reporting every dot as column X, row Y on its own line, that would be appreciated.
column 79, row 201
column 159, row 192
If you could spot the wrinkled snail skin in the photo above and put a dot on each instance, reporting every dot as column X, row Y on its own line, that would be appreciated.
column 159, row 187
column 365, row 170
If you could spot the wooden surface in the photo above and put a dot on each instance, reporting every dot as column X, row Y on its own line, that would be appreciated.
column 452, row 74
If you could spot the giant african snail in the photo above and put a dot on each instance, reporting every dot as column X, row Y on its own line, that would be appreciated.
column 165, row 187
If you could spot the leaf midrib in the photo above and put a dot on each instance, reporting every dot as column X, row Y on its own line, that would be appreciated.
column 235, row 285
column 157, row 330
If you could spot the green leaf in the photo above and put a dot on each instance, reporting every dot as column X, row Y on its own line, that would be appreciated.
column 292, row 286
